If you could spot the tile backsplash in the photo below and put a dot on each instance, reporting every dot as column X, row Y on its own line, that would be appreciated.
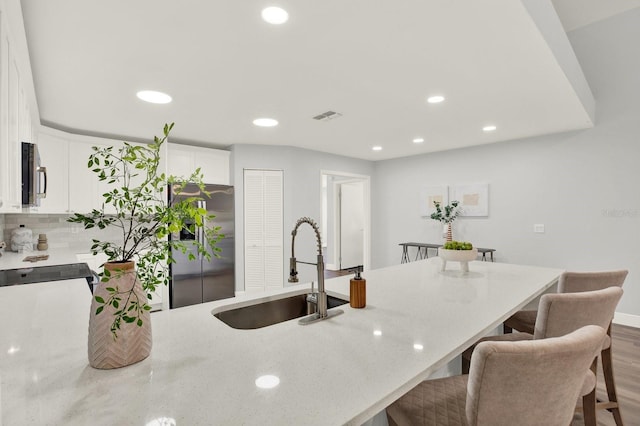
column 2, row 228
column 60, row 233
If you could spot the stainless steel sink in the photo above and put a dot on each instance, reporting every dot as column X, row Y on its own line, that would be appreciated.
column 271, row 312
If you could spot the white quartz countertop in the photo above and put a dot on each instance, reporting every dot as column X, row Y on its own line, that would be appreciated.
column 58, row 256
column 202, row 372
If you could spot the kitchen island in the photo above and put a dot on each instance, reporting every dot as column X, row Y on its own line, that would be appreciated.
column 202, row 372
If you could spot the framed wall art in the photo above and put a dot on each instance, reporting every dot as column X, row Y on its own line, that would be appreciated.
column 428, row 195
column 473, row 198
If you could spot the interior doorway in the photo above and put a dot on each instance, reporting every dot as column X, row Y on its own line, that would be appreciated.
column 346, row 219
column 351, row 224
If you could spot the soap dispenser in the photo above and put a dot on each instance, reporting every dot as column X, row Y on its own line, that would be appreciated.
column 358, row 291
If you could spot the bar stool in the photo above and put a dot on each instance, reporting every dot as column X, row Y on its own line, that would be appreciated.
column 560, row 314
column 525, row 383
column 575, row 282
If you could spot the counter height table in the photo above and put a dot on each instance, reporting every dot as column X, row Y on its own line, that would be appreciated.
column 342, row 370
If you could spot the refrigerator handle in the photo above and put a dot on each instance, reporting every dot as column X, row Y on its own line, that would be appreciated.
column 201, row 236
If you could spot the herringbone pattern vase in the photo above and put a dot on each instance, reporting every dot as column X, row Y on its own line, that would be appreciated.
column 133, row 343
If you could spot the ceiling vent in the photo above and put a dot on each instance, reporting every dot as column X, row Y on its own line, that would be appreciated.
column 326, row 116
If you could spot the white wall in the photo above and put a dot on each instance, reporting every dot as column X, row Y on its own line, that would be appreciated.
column 301, row 196
column 583, row 186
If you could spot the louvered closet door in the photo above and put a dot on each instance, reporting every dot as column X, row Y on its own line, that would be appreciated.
column 263, row 232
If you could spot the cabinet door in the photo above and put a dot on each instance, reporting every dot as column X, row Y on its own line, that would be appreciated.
column 180, row 161
column 11, row 196
column 83, row 183
column 5, row 155
column 85, row 190
column 183, row 160
column 54, row 155
column 214, row 165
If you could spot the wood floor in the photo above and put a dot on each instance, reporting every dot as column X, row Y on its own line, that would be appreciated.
column 626, row 368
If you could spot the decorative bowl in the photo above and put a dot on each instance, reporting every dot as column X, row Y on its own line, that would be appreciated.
column 462, row 256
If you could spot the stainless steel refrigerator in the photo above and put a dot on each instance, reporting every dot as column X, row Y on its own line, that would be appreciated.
column 199, row 280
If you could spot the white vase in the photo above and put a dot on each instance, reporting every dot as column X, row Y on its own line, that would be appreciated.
column 447, row 233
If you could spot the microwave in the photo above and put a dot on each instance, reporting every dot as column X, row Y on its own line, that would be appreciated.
column 33, row 175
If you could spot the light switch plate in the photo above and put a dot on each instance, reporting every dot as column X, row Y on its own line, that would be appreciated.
column 538, row 228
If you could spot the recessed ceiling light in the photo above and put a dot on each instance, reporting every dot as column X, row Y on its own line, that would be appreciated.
column 435, row 99
column 418, row 346
column 265, row 122
column 377, row 148
column 489, row 128
column 154, row 97
column 267, row 382
column 377, row 332
column 275, row 15
column 418, row 140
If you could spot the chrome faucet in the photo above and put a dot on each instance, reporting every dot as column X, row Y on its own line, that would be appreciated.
column 320, row 298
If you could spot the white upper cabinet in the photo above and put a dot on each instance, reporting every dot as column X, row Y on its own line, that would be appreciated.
column 72, row 187
column 83, row 183
column 10, row 153
column 183, row 160
column 85, row 190
column 18, row 107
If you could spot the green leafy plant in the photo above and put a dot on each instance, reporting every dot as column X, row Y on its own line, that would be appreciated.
column 144, row 218
column 457, row 245
column 448, row 215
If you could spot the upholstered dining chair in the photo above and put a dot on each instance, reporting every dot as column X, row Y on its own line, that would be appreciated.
column 562, row 313
column 569, row 282
column 574, row 282
column 525, row 383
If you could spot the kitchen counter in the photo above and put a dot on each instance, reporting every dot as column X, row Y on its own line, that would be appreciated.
column 58, row 256
column 202, row 372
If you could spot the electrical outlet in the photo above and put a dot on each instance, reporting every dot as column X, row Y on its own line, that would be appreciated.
column 538, row 228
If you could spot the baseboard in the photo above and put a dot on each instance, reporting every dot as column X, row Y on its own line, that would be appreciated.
column 627, row 319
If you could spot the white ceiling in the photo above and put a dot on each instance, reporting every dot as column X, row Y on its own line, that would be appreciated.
column 373, row 62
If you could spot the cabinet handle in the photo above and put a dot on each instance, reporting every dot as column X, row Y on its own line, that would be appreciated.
column 43, row 194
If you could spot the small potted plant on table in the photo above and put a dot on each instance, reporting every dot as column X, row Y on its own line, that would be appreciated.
column 446, row 216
